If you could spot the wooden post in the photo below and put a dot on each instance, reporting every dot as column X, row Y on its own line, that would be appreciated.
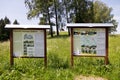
column 106, row 57
column 11, row 48
column 72, row 61
column 45, row 49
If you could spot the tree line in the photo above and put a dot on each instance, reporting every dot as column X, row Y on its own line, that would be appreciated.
column 4, row 33
column 60, row 12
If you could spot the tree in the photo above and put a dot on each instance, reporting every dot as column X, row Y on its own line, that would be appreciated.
column 67, row 11
column 75, row 11
column 38, row 8
column 16, row 22
column 102, row 14
column 1, row 29
column 4, row 33
column 43, row 20
column 81, row 11
column 56, row 15
column 113, row 29
column 87, row 11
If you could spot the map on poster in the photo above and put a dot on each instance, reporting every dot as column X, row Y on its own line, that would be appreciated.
column 28, row 43
column 89, row 41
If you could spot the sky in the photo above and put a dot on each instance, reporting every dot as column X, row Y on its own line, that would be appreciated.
column 16, row 9
column 115, row 5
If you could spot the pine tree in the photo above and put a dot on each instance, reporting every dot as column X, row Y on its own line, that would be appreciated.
column 16, row 22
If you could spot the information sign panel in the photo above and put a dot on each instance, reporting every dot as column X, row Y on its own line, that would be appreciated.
column 29, row 43
column 88, row 41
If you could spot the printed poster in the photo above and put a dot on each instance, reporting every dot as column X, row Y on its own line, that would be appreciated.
column 88, row 41
column 28, row 43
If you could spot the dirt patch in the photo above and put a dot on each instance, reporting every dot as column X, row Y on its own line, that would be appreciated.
column 81, row 77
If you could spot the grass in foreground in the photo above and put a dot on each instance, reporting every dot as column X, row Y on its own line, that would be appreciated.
column 58, row 68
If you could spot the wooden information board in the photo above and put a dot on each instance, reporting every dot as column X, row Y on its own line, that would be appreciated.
column 28, row 41
column 89, row 40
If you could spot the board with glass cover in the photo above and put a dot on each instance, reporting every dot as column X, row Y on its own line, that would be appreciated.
column 28, row 43
column 88, row 41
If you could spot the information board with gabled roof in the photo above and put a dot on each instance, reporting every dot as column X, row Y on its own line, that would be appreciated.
column 89, row 40
column 28, row 41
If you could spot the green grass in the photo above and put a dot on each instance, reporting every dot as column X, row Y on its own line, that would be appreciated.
column 58, row 67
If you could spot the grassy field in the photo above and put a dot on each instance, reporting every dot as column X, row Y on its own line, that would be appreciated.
column 58, row 68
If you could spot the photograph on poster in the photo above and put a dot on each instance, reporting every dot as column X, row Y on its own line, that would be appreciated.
column 89, row 41
column 28, row 44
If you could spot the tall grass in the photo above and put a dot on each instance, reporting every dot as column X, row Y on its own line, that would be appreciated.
column 58, row 67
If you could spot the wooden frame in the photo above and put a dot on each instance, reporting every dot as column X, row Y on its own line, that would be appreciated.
column 106, row 48
column 86, row 25
column 21, row 27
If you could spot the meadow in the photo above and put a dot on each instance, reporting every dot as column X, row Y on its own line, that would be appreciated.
column 58, row 62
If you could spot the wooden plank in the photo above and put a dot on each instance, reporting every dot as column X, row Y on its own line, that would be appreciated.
column 72, row 61
column 11, row 48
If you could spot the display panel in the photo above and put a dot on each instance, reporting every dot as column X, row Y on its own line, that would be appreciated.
column 28, row 43
column 89, row 41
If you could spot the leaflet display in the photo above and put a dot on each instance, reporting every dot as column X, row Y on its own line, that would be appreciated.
column 88, row 41
column 29, row 43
